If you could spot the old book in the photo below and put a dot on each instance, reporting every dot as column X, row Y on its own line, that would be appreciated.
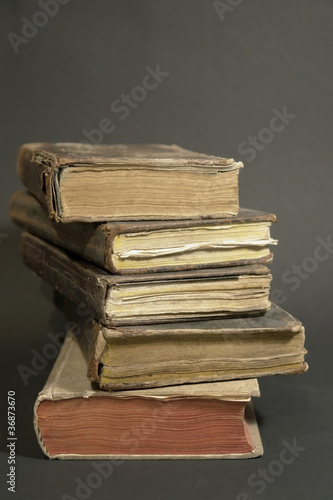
column 84, row 182
column 73, row 420
column 150, row 246
column 159, row 355
column 150, row 298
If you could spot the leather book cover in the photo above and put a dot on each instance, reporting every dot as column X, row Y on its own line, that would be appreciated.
column 84, row 282
column 41, row 165
column 94, row 241
column 277, row 339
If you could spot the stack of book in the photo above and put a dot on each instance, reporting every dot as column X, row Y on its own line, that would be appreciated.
column 164, row 281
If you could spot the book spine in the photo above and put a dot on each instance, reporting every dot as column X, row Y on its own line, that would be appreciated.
column 88, row 333
column 77, row 281
column 36, row 176
column 48, row 390
column 89, row 241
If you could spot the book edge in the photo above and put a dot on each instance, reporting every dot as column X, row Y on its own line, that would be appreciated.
column 253, row 428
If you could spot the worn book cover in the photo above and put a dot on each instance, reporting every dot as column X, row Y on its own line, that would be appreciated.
column 130, row 357
column 154, row 297
column 84, row 182
column 74, row 420
column 154, row 246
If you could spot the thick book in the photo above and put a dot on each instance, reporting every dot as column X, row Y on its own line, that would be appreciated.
column 84, row 182
column 74, row 420
column 150, row 298
column 154, row 246
column 159, row 355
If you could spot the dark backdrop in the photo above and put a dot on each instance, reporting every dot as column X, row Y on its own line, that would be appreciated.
column 228, row 69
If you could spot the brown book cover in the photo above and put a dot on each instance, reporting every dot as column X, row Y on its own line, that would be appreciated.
column 98, row 242
column 150, row 298
column 133, row 357
column 84, row 182
column 74, row 420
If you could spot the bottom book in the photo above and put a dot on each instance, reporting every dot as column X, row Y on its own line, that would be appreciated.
column 73, row 420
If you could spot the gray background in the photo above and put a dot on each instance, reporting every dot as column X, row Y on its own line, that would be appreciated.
column 225, row 78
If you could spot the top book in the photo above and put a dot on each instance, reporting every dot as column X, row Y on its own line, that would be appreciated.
column 122, row 182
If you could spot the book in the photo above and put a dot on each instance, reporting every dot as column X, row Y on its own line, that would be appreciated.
column 84, row 182
column 74, row 420
column 150, row 298
column 154, row 246
column 133, row 357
